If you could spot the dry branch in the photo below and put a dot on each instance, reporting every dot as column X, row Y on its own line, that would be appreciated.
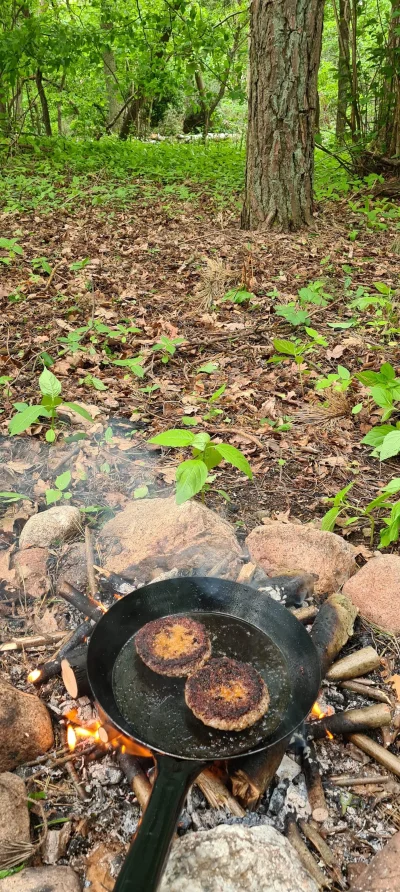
column 350, row 780
column 351, row 721
column 80, row 601
column 90, row 562
column 358, row 663
column 318, row 842
column 377, row 752
column 333, row 626
column 137, row 778
column 31, row 642
column 307, row 859
column 367, row 691
column 305, row 614
column 217, row 794
column 315, row 790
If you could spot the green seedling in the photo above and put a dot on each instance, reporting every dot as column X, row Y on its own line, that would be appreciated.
column 60, row 490
column 51, row 402
column 13, row 250
column 339, row 381
column 167, row 346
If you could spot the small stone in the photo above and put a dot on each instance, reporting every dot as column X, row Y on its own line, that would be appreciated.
column 42, row 879
column 290, row 546
column 26, row 730
column 14, row 814
column 55, row 525
column 55, row 844
column 375, row 590
column 72, row 566
column 383, row 872
column 288, row 769
column 30, row 567
column 158, row 533
column 235, row 859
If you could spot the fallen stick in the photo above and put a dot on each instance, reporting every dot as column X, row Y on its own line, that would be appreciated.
column 333, row 626
column 69, row 767
column 350, row 780
column 31, row 641
column 377, row 752
column 315, row 790
column 51, row 668
column 351, row 721
column 252, row 775
column 305, row 614
column 316, row 840
column 358, row 663
column 307, row 859
column 366, row 690
column 217, row 794
column 136, row 777
column 90, row 562
column 80, row 601
column 77, row 754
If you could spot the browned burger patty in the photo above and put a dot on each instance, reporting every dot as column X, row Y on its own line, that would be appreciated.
column 227, row 695
column 173, row 645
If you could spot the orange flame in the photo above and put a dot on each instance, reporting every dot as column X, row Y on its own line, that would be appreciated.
column 318, row 713
column 71, row 738
column 34, row 675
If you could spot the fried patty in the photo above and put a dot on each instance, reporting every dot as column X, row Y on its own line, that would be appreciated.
column 227, row 695
column 173, row 645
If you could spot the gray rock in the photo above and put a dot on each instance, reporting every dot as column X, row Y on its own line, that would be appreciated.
column 158, row 533
column 235, row 859
column 14, row 815
column 42, row 879
column 54, row 525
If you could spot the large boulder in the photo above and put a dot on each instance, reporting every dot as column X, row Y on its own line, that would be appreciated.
column 42, row 879
column 158, row 533
column 375, row 590
column 281, row 547
column 382, row 874
column 14, row 814
column 25, row 727
column 235, row 859
column 55, row 525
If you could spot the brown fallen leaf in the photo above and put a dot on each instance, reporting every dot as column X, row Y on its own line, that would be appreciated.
column 395, row 681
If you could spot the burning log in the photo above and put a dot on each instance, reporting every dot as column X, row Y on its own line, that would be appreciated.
column 136, row 777
column 307, row 859
column 217, row 794
column 351, row 721
column 315, row 790
column 357, row 687
column 74, row 674
column 253, row 774
column 51, row 668
column 358, row 663
column 89, row 608
column 333, row 627
column 377, row 752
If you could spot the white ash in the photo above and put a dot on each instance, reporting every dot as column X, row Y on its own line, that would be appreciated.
column 105, row 773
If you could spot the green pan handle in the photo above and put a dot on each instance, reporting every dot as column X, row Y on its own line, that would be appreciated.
column 145, row 861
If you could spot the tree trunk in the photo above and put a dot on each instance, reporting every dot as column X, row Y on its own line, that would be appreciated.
column 43, row 103
column 393, row 122
column 343, row 66
column 285, row 49
column 113, row 100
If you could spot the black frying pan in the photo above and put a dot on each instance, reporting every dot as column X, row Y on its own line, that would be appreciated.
column 150, row 709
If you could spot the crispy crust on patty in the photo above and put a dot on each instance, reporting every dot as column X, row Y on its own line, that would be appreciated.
column 173, row 645
column 227, row 695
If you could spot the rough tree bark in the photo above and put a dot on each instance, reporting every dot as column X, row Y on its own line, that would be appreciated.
column 343, row 23
column 393, row 125
column 285, row 49
column 43, row 103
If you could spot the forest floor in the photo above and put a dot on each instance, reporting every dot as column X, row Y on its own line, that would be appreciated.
column 82, row 275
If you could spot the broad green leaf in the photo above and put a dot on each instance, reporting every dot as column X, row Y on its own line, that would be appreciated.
column 23, row 420
column 140, row 492
column 235, row 457
column 356, row 409
column 387, row 371
column 49, row 384
column 208, row 368
column 382, row 397
column 329, row 519
column 200, row 441
column 190, row 422
column 343, row 372
column 340, row 496
column 191, row 476
column 217, row 393
column 390, row 446
column 79, row 410
column 50, row 435
column 369, row 378
column 53, row 495
column 212, row 457
column 63, row 480
column 319, row 339
column 382, row 288
column 287, row 347
column 389, row 535
column 393, row 486
column 174, row 438
column 295, row 317
column 342, row 325
column 376, row 435
column 10, row 497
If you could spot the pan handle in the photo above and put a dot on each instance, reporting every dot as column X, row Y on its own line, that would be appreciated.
column 145, row 861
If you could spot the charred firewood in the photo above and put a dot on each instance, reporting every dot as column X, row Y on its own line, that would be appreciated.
column 216, row 793
column 315, row 790
column 358, row 663
column 51, row 668
column 252, row 775
column 80, row 601
column 357, row 687
column 377, row 752
column 74, row 674
column 350, row 722
column 333, row 627
column 136, row 777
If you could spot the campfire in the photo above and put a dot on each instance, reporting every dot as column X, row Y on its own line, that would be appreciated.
column 239, row 786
